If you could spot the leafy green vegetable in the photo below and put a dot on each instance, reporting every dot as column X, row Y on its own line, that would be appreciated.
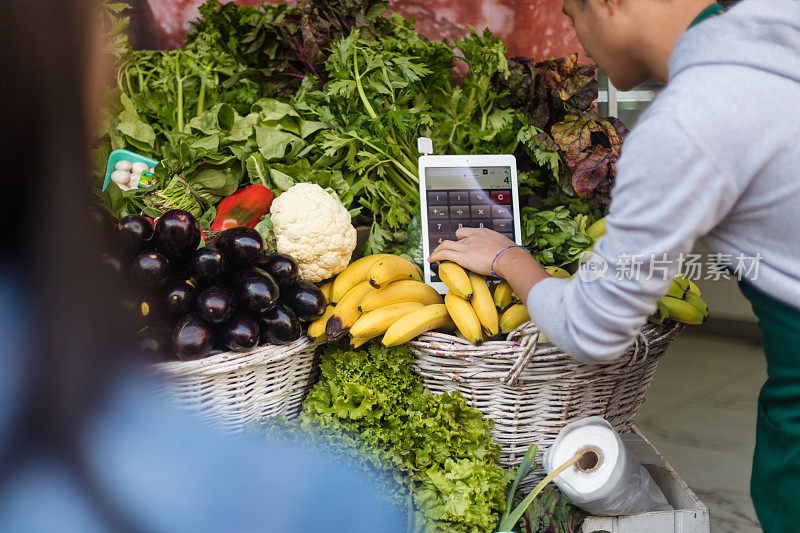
column 436, row 448
column 556, row 97
column 554, row 237
column 375, row 107
column 550, row 512
column 592, row 147
column 331, row 92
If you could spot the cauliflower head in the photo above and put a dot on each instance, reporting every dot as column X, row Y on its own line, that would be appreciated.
column 315, row 229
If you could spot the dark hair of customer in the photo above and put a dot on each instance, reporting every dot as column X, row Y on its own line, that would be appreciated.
column 49, row 243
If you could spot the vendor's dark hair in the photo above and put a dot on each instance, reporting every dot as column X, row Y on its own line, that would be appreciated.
column 49, row 245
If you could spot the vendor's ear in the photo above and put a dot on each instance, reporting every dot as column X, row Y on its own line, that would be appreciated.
column 607, row 8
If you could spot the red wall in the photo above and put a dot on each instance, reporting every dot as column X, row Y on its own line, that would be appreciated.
column 532, row 28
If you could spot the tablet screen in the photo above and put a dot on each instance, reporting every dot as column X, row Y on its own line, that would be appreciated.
column 474, row 197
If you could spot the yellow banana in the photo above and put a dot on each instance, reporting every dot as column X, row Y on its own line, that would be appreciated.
column 418, row 322
column 694, row 288
column 464, row 317
column 355, row 342
column 406, row 290
column 456, row 279
column 503, row 295
column 682, row 311
column 557, row 272
column 514, row 316
column 346, row 312
column 392, row 268
column 378, row 321
column 483, row 304
column 597, row 230
column 327, row 289
column 316, row 330
column 698, row 302
column 661, row 313
column 676, row 290
column 682, row 282
column 355, row 273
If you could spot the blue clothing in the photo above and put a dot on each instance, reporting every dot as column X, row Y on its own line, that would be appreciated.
column 167, row 472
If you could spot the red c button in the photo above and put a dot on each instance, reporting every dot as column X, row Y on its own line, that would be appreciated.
column 501, row 197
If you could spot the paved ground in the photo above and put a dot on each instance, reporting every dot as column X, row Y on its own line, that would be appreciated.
column 700, row 414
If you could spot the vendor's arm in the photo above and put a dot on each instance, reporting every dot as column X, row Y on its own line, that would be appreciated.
column 668, row 193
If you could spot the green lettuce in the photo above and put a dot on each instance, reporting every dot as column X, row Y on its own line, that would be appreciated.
column 370, row 407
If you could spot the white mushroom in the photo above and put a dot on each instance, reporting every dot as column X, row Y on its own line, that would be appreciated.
column 140, row 167
column 123, row 165
column 134, row 182
column 120, row 177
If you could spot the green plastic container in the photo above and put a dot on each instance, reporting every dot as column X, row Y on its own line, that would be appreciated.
column 124, row 155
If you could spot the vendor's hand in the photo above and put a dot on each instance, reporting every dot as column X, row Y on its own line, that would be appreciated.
column 474, row 250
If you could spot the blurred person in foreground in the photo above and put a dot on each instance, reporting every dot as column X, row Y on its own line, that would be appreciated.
column 85, row 444
column 715, row 158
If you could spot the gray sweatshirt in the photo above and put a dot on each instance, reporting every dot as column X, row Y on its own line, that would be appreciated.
column 715, row 158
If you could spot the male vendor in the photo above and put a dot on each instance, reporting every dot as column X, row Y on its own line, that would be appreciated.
column 716, row 158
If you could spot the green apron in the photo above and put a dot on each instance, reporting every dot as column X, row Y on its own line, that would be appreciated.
column 711, row 11
column 775, row 483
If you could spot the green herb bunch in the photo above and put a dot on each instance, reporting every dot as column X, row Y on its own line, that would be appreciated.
column 331, row 92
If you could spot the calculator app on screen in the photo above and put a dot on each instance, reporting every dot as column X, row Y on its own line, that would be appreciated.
column 473, row 197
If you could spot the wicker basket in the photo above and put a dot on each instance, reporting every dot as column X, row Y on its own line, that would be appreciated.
column 531, row 391
column 233, row 389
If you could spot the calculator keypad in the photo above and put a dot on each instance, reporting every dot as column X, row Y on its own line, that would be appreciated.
column 450, row 210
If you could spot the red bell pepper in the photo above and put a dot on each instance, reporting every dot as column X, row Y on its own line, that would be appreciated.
column 245, row 207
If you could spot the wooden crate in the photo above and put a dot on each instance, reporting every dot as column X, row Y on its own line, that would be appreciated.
column 690, row 514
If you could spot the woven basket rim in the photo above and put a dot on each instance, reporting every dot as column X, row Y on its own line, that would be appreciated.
column 510, row 349
column 225, row 362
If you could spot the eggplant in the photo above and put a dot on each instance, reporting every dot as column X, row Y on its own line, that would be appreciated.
column 104, row 224
column 192, row 338
column 283, row 268
column 150, row 270
column 206, row 264
column 216, row 304
column 305, row 299
column 115, row 264
column 134, row 234
column 279, row 325
column 240, row 333
column 255, row 290
column 179, row 300
column 154, row 343
column 177, row 234
column 241, row 246
column 135, row 308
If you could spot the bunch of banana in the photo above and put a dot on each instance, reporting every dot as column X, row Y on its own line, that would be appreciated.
column 512, row 318
column 464, row 317
column 682, row 303
column 418, row 322
column 456, row 279
column 471, row 304
column 597, row 230
column 557, row 272
column 504, row 296
column 375, row 293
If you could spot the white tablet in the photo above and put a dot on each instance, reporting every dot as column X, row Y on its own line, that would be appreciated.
column 476, row 191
